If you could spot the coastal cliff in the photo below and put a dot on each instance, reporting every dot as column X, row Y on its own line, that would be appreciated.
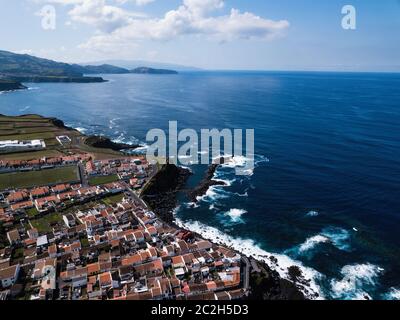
column 10, row 85
column 205, row 184
column 54, row 79
column 161, row 191
column 106, row 143
column 267, row 284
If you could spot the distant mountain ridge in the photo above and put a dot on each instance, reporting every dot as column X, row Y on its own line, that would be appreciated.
column 146, row 70
column 27, row 68
column 134, row 64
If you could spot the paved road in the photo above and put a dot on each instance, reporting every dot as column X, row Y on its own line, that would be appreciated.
column 84, row 179
column 135, row 196
column 246, row 273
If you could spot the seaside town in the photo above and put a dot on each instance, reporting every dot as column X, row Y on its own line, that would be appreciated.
column 92, row 237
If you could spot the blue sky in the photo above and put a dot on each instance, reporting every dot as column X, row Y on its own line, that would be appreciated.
column 211, row 34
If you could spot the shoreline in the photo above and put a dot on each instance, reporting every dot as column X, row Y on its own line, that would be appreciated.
column 161, row 197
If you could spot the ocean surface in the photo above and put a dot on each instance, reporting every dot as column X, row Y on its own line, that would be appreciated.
column 325, row 191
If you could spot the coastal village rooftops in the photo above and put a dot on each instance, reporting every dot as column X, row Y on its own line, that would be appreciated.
column 22, row 205
column 105, row 279
column 40, row 192
column 17, row 196
column 61, row 188
column 93, row 268
column 203, row 245
column 70, row 274
column 33, row 233
column 155, row 266
column 9, row 272
column 132, row 260
column 13, row 236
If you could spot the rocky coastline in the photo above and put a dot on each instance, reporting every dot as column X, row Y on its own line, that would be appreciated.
column 106, row 143
column 264, row 282
column 161, row 192
column 9, row 85
column 205, row 184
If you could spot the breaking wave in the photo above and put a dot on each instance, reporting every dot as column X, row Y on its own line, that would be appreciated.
column 249, row 248
column 234, row 216
column 81, row 130
column 337, row 237
column 393, row 294
column 312, row 214
column 357, row 280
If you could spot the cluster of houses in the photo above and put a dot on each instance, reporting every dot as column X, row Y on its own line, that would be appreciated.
column 120, row 252
column 133, row 169
column 42, row 163
column 49, row 199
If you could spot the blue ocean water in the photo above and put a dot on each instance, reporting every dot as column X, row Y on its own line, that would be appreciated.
column 325, row 190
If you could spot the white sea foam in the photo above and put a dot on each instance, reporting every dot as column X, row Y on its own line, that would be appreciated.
column 81, row 130
column 24, row 109
column 113, row 123
column 246, row 194
column 249, row 248
column 393, row 294
column 357, row 279
column 241, row 162
column 213, row 194
column 227, row 183
column 336, row 236
column 312, row 214
column 120, row 138
column 236, row 215
column 310, row 243
column 191, row 205
column 339, row 237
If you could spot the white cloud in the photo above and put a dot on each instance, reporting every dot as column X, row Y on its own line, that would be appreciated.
column 105, row 17
column 120, row 27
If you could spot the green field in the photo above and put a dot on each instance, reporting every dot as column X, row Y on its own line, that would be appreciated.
column 31, row 127
column 32, row 213
column 43, row 225
column 96, row 181
column 38, row 178
column 111, row 200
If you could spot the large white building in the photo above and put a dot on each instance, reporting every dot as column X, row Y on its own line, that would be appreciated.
column 17, row 146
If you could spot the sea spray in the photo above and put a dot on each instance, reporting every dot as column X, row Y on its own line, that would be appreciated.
column 249, row 248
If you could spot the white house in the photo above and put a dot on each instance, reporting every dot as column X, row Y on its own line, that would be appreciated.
column 9, row 276
column 7, row 146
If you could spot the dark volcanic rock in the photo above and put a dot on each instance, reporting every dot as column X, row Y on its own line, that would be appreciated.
column 54, row 79
column 161, row 191
column 106, row 143
column 205, row 184
column 266, row 284
column 10, row 85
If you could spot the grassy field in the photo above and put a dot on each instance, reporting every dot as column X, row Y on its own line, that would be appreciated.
column 43, row 225
column 32, row 213
column 31, row 155
column 38, row 178
column 36, row 127
column 111, row 200
column 96, row 181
